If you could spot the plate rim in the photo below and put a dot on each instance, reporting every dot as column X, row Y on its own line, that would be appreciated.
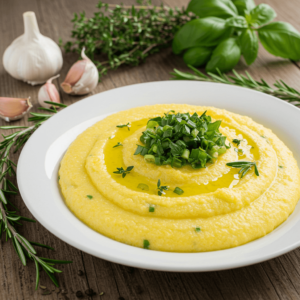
column 146, row 265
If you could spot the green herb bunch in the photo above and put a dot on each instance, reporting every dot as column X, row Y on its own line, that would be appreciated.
column 124, row 35
column 181, row 139
column 227, row 29
column 9, row 217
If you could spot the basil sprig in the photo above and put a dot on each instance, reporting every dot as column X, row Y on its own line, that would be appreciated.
column 227, row 29
column 182, row 139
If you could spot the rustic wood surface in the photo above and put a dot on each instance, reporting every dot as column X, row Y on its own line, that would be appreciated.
column 275, row 279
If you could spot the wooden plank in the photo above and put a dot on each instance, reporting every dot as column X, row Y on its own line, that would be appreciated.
column 277, row 279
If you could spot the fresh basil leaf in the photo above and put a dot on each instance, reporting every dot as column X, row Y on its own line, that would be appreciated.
column 280, row 39
column 200, row 32
column 226, row 55
column 214, row 8
column 249, row 45
column 197, row 56
column 244, row 6
column 261, row 14
column 238, row 22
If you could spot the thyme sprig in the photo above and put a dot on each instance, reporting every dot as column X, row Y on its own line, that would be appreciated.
column 123, row 172
column 9, row 219
column 161, row 188
column 281, row 90
column 124, row 35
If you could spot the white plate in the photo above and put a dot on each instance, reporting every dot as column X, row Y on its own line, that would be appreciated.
column 40, row 158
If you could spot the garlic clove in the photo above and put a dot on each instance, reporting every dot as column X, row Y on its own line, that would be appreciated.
column 12, row 109
column 48, row 92
column 82, row 77
column 32, row 57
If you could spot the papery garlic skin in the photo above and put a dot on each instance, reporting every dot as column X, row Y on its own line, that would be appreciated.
column 48, row 92
column 32, row 57
column 82, row 78
column 12, row 109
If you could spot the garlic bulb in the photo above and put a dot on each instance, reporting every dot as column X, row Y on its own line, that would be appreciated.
column 14, row 108
column 48, row 92
column 32, row 57
column 82, row 78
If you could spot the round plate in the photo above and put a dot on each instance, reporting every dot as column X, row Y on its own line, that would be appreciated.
column 39, row 162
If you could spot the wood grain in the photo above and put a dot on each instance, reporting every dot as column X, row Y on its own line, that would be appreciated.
column 275, row 279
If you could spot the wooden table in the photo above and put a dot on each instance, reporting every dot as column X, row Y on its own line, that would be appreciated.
column 275, row 279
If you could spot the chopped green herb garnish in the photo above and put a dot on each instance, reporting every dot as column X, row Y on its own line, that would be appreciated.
column 281, row 167
column 58, row 177
column 236, row 141
column 151, row 208
column 143, row 187
column 124, row 172
column 245, row 166
column 125, row 125
column 178, row 191
column 146, row 244
column 118, row 145
column 161, row 188
column 90, row 196
column 182, row 139
column 198, row 229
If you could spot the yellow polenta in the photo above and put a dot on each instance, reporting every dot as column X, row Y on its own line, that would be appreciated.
column 229, row 211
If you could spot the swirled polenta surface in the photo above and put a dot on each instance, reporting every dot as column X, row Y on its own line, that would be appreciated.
column 227, row 210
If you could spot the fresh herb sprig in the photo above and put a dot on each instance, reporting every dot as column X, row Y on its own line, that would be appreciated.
column 124, row 125
column 9, row 218
column 281, row 90
column 244, row 167
column 124, row 35
column 182, row 139
column 118, row 145
column 161, row 188
column 124, row 172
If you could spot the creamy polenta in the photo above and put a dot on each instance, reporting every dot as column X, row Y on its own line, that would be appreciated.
column 218, row 208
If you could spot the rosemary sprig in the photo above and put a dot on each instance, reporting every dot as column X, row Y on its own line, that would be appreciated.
column 10, row 219
column 124, row 35
column 244, row 167
column 281, row 90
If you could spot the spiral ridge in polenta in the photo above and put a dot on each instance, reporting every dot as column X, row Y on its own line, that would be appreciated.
column 217, row 210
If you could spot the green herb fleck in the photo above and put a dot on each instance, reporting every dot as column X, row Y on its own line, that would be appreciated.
column 125, row 125
column 124, row 172
column 118, row 145
column 146, row 244
column 198, row 229
column 143, row 187
column 151, row 208
column 236, row 141
column 161, row 188
column 281, row 167
column 245, row 166
column 90, row 196
column 178, row 191
column 239, row 151
column 58, row 177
